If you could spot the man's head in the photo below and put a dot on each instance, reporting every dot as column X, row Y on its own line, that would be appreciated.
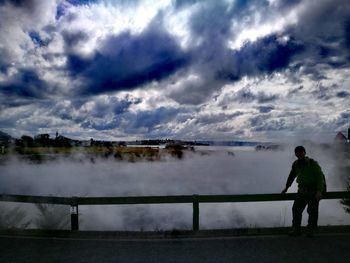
column 300, row 152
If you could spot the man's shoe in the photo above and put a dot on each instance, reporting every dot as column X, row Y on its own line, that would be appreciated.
column 295, row 232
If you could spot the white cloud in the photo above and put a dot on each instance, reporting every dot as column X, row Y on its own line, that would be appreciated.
column 177, row 22
column 103, row 19
column 262, row 25
column 17, row 22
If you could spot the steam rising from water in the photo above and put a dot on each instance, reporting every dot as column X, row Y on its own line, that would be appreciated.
column 216, row 173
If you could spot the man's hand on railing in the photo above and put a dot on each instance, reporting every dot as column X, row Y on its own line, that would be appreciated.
column 284, row 190
column 318, row 196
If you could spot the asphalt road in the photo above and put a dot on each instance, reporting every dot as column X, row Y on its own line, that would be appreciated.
column 324, row 248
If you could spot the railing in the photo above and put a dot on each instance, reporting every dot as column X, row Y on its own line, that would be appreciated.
column 74, row 202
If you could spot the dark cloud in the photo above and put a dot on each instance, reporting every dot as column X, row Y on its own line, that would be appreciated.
column 62, row 8
column 113, row 105
column 62, row 111
column 345, row 115
column 331, row 56
column 217, row 65
column 20, row 3
column 60, row 11
column 102, row 114
column 265, row 109
column 213, row 23
column 264, row 98
column 6, row 123
column 282, row 5
column 258, row 120
column 342, row 121
column 303, row 47
column 313, row 25
column 210, row 24
column 343, row 94
column 123, row 105
column 149, row 119
column 13, row 103
column 295, row 90
column 132, row 122
column 217, row 118
column 33, row 8
column 78, row 102
column 125, row 62
column 25, row 83
column 323, row 29
column 266, row 55
column 264, row 123
column 71, row 39
column 245, row 95
column 322, row 92
column 347, row 34
column 29, row 122
column 37, row 39
column 101, row 125
column 81, row 2
column 195, row 92
column 212, row 20
column 185, row 3
column 4, row 61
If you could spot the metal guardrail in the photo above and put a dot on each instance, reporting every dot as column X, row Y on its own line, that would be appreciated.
column 74, row 202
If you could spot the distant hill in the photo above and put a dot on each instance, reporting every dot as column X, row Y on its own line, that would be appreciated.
column 4, row 136
column 4, row 139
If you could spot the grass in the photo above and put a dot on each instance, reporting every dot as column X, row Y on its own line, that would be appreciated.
column 42, row 150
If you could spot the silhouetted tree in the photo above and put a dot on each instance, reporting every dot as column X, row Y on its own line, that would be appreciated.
column 27, row 141
column 42, row 140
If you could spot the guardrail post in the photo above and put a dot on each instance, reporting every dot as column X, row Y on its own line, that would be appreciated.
column 195, row 213
column 74, row 215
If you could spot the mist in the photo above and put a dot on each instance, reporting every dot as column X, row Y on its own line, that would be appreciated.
column 209, row 171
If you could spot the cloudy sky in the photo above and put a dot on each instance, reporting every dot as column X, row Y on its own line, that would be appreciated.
column 225, row 70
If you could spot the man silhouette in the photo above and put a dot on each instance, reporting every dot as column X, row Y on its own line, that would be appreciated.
column 311, row 184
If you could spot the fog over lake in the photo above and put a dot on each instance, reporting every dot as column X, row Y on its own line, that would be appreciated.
column 218, row 170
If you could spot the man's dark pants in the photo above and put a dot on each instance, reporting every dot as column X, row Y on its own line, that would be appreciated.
column 305, row 199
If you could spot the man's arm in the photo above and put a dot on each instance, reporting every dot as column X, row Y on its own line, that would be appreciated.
column 320, row 180
column 290, row 179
